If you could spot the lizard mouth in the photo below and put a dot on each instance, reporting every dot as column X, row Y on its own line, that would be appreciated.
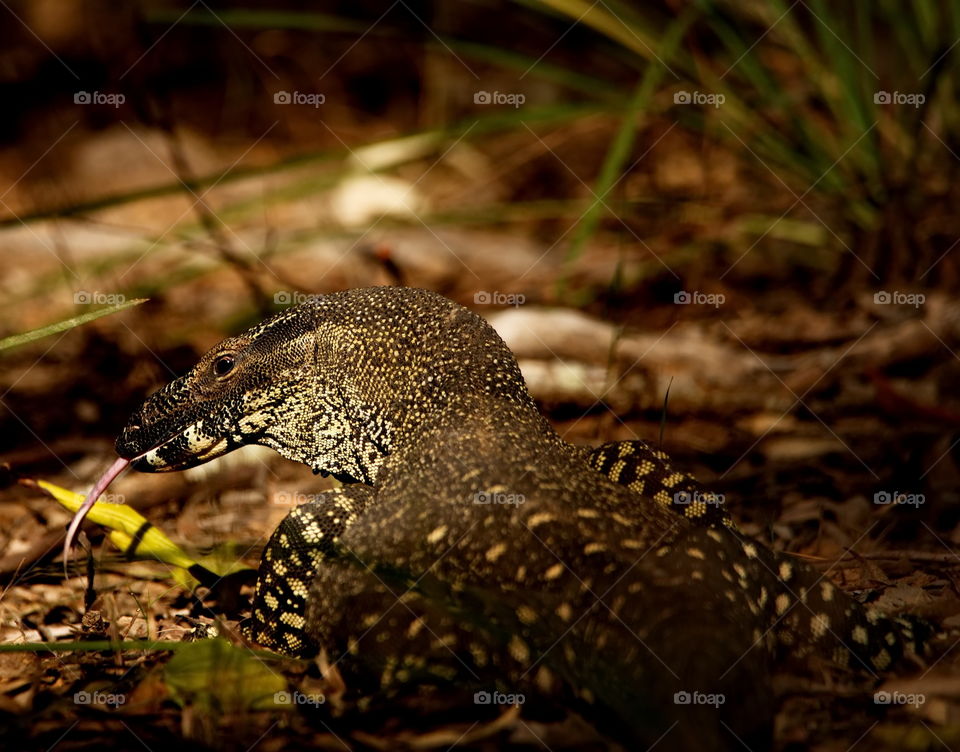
column 188, row 448
column 183, row 450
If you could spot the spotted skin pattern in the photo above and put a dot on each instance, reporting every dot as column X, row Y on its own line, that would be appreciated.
column 648, row 473
column 479, row 549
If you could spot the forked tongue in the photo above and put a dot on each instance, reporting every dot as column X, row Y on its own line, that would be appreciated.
column 101, row 485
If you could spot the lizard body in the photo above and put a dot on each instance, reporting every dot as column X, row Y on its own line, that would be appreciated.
column 474, row 546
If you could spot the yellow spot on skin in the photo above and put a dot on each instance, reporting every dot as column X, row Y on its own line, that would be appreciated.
column 564, row 611
column 526, row 614
column 539, row 518
column 782, row 603
column 437, row 534
column 882, row 659
column 544, row 680
column 518, row 649
column 292, row 620
column 615, row 471
column 631, row 543
column 495, row 552
column 414, row 629
column 715, row 534
column 592, row 548
column 750, row 550
column 819, row 624
column 479, row 654
column 786, row 570
column 826, row 592
column 860, row 634
column 671, row 480
column 738, row 568
column 555, row 571
column 663, row 551
column 588, row 513
column 696, row 574
column 696, row 553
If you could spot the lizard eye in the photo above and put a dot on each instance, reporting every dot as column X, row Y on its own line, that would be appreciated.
column 223, row 365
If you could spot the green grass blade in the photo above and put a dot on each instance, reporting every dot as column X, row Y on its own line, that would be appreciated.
column 622, row 144
column 61, row 326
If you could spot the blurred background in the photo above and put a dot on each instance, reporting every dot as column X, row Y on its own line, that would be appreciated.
column 726, row 227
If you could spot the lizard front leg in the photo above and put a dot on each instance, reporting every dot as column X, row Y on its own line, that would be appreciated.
column 300, row 545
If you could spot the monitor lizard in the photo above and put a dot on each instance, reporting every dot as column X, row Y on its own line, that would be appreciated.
column 472, row 546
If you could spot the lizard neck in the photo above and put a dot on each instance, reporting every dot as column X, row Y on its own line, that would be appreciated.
column 378, row 376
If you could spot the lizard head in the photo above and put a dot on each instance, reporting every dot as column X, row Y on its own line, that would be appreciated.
column 331, row 383
column 334, row 383
column 230, row 398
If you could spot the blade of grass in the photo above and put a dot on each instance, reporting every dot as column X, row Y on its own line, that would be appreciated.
column 622, row 145
column 635, row 34
column 61, row 326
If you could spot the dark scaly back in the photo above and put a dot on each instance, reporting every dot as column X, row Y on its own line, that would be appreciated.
column 804, row 610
